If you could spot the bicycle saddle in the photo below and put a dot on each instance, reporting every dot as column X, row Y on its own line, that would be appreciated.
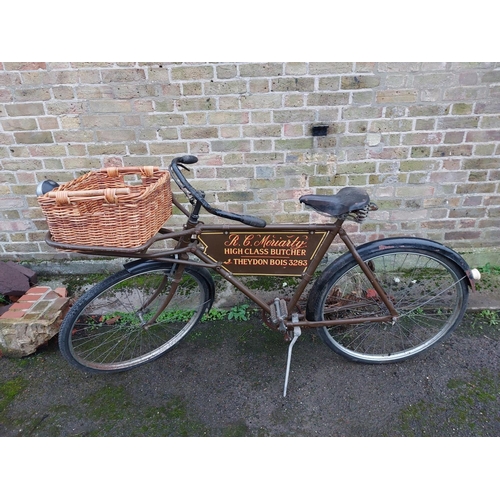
column 347, row 200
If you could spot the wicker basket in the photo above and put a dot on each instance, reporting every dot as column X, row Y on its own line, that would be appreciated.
column 101, row 209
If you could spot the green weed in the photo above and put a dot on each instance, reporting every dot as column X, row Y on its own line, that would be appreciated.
column 489, row 269
column 111, row 406
column 76, row 284
column 236, row 313
column 214, row 315
column 239, row 313
column 109, row 403
column 471, row 408
column 488, row 317
column 9, row 390
column 489, row 278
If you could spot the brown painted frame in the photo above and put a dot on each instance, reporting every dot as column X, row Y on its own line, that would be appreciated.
column 188, row 245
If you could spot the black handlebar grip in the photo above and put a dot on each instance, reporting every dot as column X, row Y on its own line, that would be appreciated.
column 249, row 220
column 187, row 159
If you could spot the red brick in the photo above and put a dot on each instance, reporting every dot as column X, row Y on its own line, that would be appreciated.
column 38, row 290
column 12, row 314
column 14, row 226
column 20, row 306
column 61, row 291
column 28, row 298
column 33, row 297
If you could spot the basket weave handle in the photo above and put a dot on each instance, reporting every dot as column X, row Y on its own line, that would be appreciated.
column 110, row 195
column 144, row 171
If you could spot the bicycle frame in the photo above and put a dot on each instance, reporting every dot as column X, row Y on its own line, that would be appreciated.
column 169, row 278
column 192, row 240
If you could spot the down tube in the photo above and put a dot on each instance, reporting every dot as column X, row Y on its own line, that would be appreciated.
column 229, row 246
column 234, row 281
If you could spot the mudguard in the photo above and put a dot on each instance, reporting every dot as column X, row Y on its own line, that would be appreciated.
column 142, row 264
column 416, row 243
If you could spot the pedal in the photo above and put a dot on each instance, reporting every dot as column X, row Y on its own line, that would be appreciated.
column 279, row 311
column 274, row 314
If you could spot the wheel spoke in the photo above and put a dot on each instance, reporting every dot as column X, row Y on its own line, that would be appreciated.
column 427, row 291
column 106, row 330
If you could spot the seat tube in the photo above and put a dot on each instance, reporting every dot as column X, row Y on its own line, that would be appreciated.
column 313, row 265
column 368, row 273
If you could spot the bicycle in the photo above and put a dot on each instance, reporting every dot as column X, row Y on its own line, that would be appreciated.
column 381, row 302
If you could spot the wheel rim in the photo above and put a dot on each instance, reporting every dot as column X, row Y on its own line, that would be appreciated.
column 109, row 333
column 426, row 292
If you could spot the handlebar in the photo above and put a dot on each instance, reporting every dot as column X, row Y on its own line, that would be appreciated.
column 199, row 196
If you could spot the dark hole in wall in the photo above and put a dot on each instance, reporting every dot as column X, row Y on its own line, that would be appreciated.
column 319, row 130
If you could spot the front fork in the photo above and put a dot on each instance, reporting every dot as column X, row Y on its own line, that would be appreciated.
column 175, row 275
column 174, row 278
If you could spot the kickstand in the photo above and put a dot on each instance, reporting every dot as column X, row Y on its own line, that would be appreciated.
column 296, row 334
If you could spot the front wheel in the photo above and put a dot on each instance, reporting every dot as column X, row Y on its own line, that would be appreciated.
column 428, row 291
column 107, row 329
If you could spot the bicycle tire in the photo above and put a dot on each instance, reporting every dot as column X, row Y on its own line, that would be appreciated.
column 103, row 331
column 428, row 290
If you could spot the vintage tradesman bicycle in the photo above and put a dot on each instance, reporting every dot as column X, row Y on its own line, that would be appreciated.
column 381, row 302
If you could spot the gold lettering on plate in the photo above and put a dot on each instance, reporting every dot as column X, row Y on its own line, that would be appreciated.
column 269, row 254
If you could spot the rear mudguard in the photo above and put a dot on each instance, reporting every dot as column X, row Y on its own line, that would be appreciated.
column 147, row 265
column 369, row 248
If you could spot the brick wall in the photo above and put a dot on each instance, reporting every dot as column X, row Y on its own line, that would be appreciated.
column 422, row 138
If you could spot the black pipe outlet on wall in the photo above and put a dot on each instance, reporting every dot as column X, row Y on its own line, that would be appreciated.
column 319, row 130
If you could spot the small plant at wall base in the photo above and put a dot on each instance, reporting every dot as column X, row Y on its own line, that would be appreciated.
column 239, row 313
column 489, row 277
column 214, row 315
column 489, row 269
column 236, row 313
column 491, row 318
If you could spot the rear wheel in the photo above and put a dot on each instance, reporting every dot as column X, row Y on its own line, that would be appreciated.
column 106, row 330
column 428, row 291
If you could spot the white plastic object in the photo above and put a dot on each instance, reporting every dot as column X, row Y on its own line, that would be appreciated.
column 475, row 274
